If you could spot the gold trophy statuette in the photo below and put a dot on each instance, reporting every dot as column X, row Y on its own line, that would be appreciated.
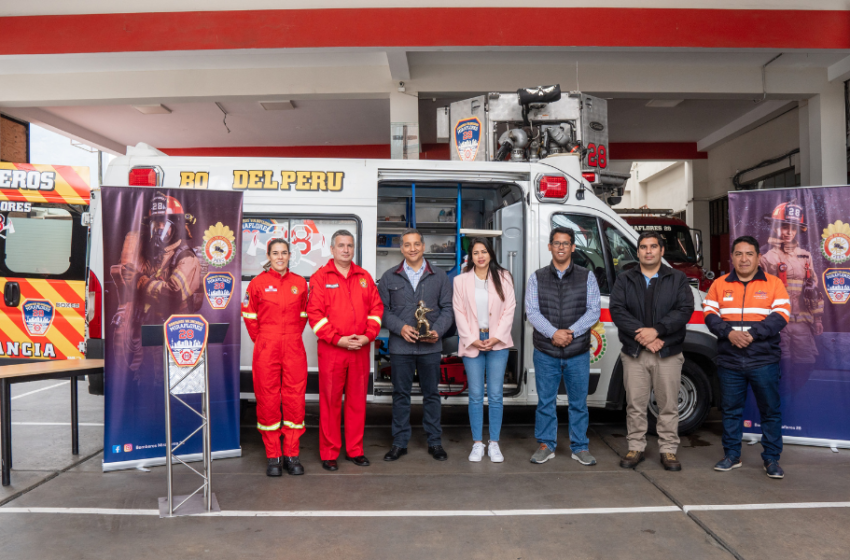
column 423, row 327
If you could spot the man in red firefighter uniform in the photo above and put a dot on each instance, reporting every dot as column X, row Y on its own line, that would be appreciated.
column 345, row 312
column 275, row 314
column 793, row 266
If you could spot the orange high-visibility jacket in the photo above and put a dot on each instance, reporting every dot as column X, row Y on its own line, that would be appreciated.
column 760, row 307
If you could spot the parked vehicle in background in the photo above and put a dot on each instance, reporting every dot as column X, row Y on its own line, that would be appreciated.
column 684, row 244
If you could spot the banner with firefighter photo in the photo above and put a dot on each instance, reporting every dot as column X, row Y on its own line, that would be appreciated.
column 804, row 240
column 167, row 252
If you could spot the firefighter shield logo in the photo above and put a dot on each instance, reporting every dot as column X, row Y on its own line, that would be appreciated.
column 186, row 338
column 836, row 282
column 218, row 286
column 218, row 245
column 835, row 246
column 467, row 138
column 38, row 316
column 598, row 342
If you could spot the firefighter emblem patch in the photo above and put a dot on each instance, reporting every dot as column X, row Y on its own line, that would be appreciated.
column 294, row 290
column 836, row 282
column 467, row 138
column 362, row 282
column 218, row 286
column 37, row 315
column 835, row 246
column 727, row 295
column 598, row 343
column 218, row 245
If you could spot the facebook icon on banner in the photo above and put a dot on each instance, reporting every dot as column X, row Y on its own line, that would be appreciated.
column 116, row 449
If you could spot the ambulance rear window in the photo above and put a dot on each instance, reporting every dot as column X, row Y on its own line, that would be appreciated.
column 38, row 242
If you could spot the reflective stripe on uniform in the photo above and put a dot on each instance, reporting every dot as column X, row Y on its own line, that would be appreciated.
column 303, row 314
column 249, row 315
column 781, row 302
column 745, row 310
column 293, row 425
column 787, row 314
column 712, row 303
column 320, row 324
column 268, row 428
column 376, row 319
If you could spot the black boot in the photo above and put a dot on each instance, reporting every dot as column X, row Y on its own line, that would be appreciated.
column 292, row 465
column 274, row 467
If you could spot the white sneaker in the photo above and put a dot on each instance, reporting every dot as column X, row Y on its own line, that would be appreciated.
column 495, row 453
column 477, row 452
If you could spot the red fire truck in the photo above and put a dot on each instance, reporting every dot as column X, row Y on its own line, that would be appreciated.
column 684, row 244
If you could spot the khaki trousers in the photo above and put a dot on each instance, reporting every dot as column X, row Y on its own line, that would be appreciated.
column 641, row 375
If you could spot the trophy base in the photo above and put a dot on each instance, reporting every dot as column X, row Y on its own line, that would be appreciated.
column 428, row 336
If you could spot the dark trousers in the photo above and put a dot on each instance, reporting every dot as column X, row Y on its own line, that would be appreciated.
column 403, row 368
column 733, row 389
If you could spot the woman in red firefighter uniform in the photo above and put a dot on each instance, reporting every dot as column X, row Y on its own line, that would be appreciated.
column 275, row 313
column 345, row 312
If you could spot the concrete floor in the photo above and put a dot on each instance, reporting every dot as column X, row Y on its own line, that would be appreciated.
column 519, row 494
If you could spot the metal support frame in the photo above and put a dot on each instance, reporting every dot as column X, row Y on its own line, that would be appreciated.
column 170, row 455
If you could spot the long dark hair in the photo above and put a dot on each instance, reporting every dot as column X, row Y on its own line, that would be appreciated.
column 494, row 269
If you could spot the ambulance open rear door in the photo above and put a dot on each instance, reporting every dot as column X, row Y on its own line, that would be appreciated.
column 43, row 244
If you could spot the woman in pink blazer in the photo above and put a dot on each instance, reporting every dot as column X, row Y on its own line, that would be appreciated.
column 484, row 304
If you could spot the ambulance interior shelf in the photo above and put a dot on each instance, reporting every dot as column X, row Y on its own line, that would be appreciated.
column 486, row 209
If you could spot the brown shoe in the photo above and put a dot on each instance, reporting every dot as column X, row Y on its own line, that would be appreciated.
column 632, row 459
column 670, row 462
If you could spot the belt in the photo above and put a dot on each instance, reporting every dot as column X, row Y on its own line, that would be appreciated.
column 484, row 330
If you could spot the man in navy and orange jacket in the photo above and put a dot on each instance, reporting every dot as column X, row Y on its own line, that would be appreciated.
column 345, row 312
column 746, row 309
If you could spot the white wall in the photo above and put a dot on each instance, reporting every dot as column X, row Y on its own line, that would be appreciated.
column 657, row 184
column 772, row 139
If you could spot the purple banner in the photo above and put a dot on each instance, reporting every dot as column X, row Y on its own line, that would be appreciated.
column 804, row 240
column 160, row 248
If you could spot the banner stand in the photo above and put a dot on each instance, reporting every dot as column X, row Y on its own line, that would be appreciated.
column 179, row 380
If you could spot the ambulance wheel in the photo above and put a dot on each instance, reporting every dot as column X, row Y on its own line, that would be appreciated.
column 694, row 400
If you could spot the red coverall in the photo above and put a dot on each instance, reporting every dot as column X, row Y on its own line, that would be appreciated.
column 275, row 313
column 338, row 307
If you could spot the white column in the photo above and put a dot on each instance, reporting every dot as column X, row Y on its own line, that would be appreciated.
column 404, row 125
column 698, row 212
column 805, row 150
column 827, row 137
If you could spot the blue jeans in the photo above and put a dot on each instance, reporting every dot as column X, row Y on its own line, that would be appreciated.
column 733, row 390
column 575, row 372
column 492, row 364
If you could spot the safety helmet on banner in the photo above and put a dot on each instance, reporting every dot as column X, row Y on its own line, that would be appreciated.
column 167, row 219
column 789, row 213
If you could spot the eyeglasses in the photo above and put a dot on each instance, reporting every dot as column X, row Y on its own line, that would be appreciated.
column 559, row 244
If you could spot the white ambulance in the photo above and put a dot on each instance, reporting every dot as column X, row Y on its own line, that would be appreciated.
column 516, row 204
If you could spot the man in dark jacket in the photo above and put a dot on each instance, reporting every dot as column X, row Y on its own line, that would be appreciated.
column 401, row 290
column 651, row 306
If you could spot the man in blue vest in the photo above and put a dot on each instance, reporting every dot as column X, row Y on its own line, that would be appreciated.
column 562, row 303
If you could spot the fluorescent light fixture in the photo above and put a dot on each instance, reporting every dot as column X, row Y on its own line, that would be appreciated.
column 664, row 103
column 157, row 109
column 277, row 105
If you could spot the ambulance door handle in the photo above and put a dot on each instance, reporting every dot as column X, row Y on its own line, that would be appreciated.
column 12, row 294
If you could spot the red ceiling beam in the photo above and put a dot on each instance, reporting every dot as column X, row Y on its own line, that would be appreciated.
column 653, row 151
column 425, row 27
column 368, row 151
